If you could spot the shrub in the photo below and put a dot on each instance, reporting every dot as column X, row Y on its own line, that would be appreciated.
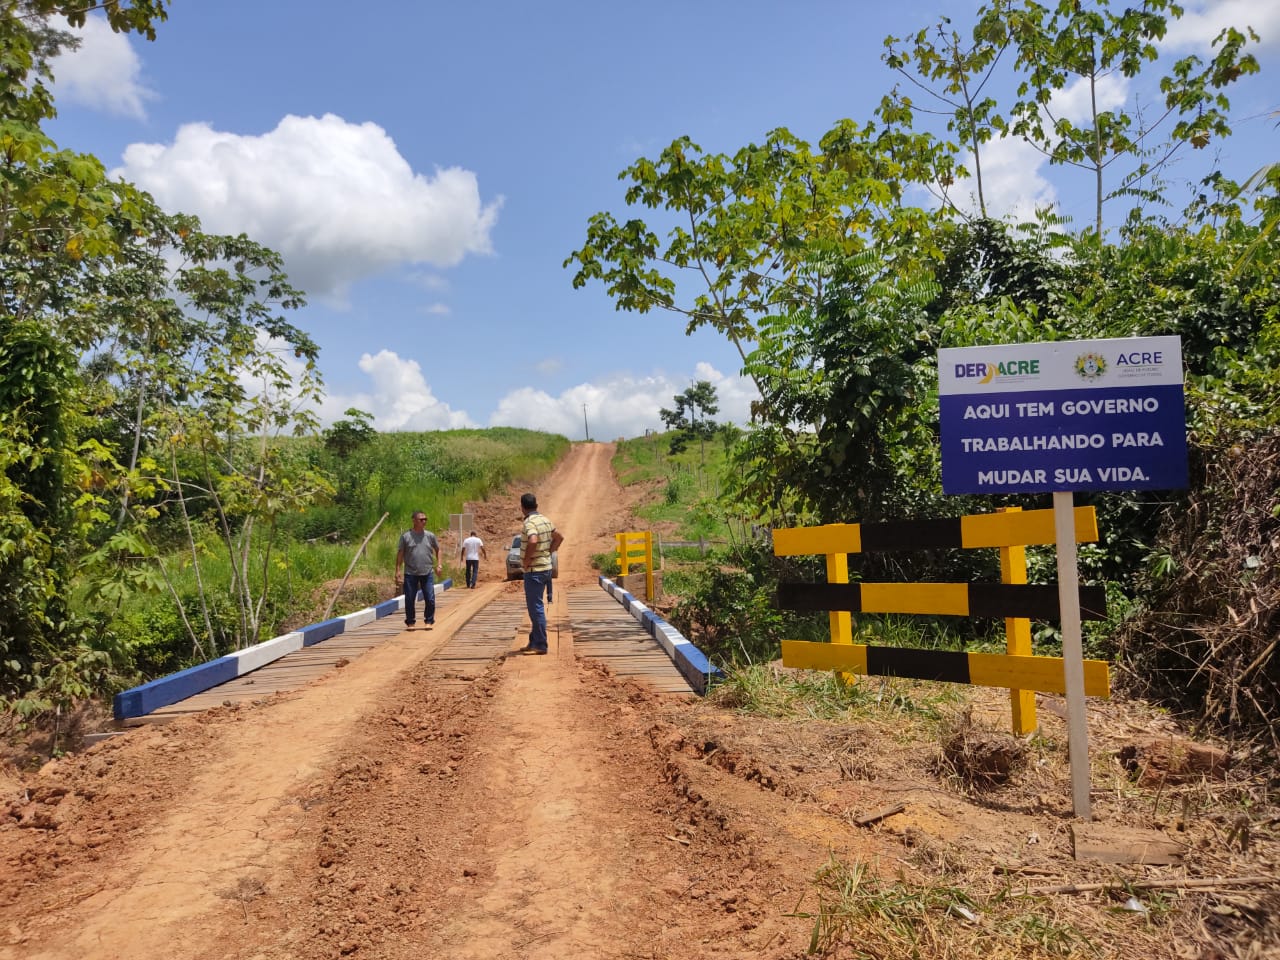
column 606, row 563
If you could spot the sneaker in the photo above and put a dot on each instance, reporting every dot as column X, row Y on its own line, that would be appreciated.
column 532, row 652
column 408, row 624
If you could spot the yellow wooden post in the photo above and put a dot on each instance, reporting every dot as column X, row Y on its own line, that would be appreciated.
column 841, row 621
column 648, row 565
column 622, row 553
column 1017, row 632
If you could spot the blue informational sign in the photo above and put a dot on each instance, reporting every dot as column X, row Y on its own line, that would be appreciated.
column 1075, row 415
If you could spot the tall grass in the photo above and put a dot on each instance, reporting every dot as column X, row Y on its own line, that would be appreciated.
column 457, row 466
column 396, row 474
column 690, row 484
column 763, row 690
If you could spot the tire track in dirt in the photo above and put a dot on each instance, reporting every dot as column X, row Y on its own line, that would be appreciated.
column 563, row 858
column 523, row 816
column 228, row 825
column 392, row 811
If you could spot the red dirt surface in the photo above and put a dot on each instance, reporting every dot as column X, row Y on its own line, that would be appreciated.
column 547, row 809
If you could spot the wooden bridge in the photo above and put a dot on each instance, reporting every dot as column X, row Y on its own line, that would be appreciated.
column 596, row 625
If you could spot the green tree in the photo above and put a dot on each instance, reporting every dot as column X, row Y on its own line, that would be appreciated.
column 691, row 418
column 55, row 207
column 1052, row 49
column 188, row 358
column 747, row 231
column 837, row 294
column 348, row 445
column 233, row 378
column 34, row 571
column 959, row 70
column 841, row 378
column 1089, row 43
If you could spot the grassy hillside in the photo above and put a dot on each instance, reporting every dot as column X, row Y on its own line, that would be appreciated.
column 686, row 484
column 379, row 482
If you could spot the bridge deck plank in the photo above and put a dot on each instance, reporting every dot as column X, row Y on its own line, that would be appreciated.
column 600, row 627
column 603, row 630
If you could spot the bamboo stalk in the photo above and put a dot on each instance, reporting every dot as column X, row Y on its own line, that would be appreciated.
column 352, row 566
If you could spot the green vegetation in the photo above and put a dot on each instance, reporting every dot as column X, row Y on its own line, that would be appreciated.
column 377, row 474
column 691, row 418
column 154, row 508
column 690, row 480
column 811, row 695
column 606, row 563
column 838, row 292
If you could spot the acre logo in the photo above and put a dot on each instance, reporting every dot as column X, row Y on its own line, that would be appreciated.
column 1090, row 366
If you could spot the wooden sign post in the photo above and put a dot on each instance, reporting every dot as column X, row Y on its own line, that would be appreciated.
column 1072, row 651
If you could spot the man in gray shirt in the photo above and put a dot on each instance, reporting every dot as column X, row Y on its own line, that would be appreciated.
column 419, row 553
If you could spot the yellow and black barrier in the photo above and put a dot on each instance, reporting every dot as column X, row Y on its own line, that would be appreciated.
column 1010, row 531
column 1042, row 674
column 1022, row 528
column 1035, row 601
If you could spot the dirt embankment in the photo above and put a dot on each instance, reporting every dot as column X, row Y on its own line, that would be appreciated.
column 545, row 809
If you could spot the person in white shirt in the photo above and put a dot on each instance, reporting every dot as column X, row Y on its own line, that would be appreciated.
column 471, row 551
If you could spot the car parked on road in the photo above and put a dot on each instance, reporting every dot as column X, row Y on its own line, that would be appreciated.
column 515, row 561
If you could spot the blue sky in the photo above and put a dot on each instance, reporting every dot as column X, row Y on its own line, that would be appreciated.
column 426, row 168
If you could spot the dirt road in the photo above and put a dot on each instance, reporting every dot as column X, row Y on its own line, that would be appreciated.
column 546, row 809
column 380, row 813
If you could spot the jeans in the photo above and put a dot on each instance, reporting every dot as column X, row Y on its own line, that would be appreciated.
column 473, row 572
column 413, row 582
column 535, row 585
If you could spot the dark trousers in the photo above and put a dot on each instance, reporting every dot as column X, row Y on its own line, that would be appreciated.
column 413, row 582
column 473, row 572
column 535, row 584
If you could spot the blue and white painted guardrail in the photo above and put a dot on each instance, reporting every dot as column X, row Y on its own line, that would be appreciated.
column 689, row 660
column 150, row 696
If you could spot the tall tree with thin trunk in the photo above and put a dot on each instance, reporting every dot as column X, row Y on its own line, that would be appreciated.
column 954, row 72
column 1086, row 44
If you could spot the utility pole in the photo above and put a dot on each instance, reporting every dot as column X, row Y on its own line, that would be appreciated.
column 586, row 432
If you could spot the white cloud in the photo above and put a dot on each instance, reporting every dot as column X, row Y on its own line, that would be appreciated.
column 623, row 406
column 1011, row 182
column 1204, row 21
column 1077, row 101
column 103, row 73
column 734, row 394
column 400, row 398
column 335, row 198
column 437, row 309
